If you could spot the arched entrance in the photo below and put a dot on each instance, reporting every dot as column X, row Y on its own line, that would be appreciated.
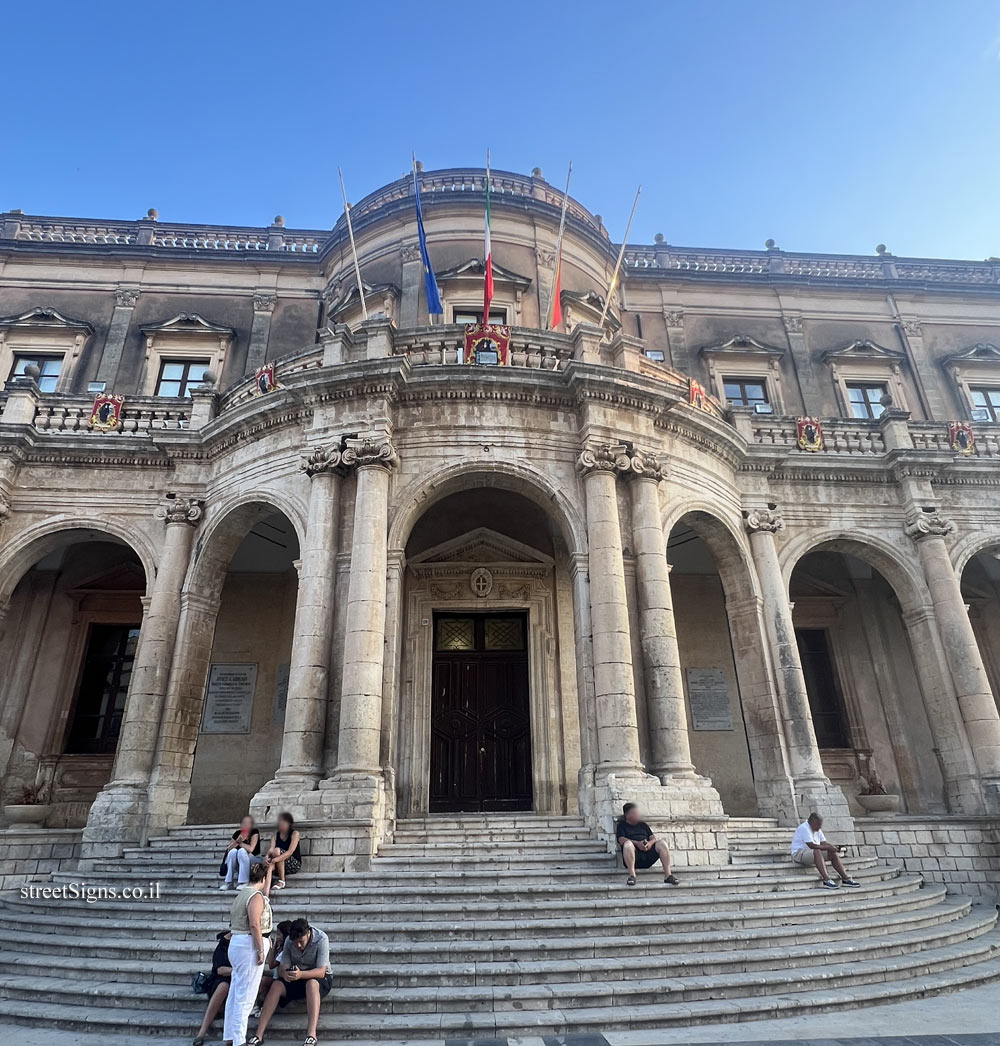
column 70, row 631
column 487, row 712
column 981, row 591
column 863, row 666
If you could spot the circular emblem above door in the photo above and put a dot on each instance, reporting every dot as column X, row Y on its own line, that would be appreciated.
column 481, row 582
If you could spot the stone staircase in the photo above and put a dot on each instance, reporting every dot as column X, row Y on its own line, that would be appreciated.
column 501, row 925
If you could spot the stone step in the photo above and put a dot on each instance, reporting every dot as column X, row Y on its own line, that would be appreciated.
column 467, row 848
column 371, row 904
column 511, row 887
column 513, row 1010
column 691, row 954
column 819, row 906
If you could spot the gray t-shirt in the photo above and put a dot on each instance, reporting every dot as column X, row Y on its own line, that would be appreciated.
column 316, row 952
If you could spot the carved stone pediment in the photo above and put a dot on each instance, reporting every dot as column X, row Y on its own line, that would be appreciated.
column 377, row 296
column 474, row 268
column 187, row 323
column 742, row 345
column 981, row 352
column 481, row 547
column 863, row 349
column 45, row 319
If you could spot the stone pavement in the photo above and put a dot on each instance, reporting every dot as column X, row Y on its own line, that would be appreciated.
column 966, row 1018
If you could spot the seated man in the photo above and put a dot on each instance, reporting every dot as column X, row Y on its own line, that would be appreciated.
column 640, row 848
column 810, row 848
column 302, row 974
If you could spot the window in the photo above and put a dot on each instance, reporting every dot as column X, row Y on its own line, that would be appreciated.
column 744, row 392
column 104, row 679
column 178, row 377
column 479, row 632
column 865, row 400
column 50, row 367
column 472, row 316
column 986, row 397
column 822, row 687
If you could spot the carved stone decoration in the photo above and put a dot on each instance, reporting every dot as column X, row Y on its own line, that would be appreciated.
column 445, row 591
column 545, row 259
column 674, row 317
column 766, row 519
column 4, row 508
column 323, row 459
column 481, row 582
column 370, row 453
column 928, row 523
column 605, row 457
column 793, row 324
column 178, row 509
column 913, row 328
column 126, row 299
column 410, row 252
column 643, row 464
column 264, row 302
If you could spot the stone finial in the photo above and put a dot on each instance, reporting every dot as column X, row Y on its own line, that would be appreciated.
column 209, row 379
column 370, row 453
column 323, row 459
column 928, row 522
column 178, row 509
column 279, row 221
column 420, row 165
column 770, row 245
column 152, row 214
column 659, row 238
column 881, row 251
column 765, row 519
column 536, row 172
column 604, row 457
column 33, row 371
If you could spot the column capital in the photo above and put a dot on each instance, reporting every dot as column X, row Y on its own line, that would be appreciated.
column 763, row 519
column 126, row 297
column 179, row 509
column 646, row 465
column 925, row 523
column 321, row 460
column 368, row 452
column 604, row 457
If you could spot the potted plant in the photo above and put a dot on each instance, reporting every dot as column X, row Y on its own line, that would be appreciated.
column 875, row 798
column 30, row 808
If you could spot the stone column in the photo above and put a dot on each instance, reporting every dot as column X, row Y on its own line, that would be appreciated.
column 308, row 672
column 117, row 815
column 584, row 681
column 614, row 689
column 358, row 748
column 813, row 790
column 965, row 662
column 666, row 707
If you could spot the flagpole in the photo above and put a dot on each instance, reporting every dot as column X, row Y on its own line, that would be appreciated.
column 354, row 249
column 559, row 239
column 618, row 264
column 487, row 251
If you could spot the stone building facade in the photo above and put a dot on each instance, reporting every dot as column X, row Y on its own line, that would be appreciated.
column 397, row 584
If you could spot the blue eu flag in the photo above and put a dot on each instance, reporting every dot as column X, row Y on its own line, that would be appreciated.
column 434, row 306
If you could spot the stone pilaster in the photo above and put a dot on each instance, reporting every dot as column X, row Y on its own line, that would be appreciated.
column 356, row 788
column 813, row 790
column 304, row 734
column 118, row 814
column 965, row 663
column 260, row 329
column 114, row 343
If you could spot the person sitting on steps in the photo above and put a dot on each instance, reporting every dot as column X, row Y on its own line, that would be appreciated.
column 640, row 848
column 284, row 854
column 811, row 849
column 303, row 973
column 216, row 985
column 242, row 852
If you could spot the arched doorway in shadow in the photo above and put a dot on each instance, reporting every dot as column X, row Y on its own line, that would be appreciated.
column 868, row 683
column 70, row 630
column 981, row 590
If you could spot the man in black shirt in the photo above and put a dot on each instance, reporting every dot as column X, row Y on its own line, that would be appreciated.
column 640, row 848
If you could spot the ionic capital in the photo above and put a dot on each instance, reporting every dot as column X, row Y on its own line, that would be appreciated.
column 649, row 466
column 604, row 457
column 927, row 523
column 370, row 453
column 765, row 519
column 178, row 509
column 323, row 459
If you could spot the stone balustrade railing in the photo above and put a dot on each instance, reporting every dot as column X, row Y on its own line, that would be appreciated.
column 839, row 436
column 141, row 416
column 540, row 350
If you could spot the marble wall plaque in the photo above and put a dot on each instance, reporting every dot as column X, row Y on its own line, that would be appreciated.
column 708, row 695
column 229, row 699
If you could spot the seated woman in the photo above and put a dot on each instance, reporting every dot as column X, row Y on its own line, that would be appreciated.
column 242, row 851
column 217, row 985
column 283, row 854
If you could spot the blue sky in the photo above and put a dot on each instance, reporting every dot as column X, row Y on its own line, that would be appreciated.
column 828, row 126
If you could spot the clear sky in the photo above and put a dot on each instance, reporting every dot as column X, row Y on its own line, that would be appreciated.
column 827, row 126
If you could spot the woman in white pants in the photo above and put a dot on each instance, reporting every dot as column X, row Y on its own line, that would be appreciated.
column 250, row 924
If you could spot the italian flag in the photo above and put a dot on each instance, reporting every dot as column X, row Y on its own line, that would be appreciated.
column 557, row 315
column 487, row 253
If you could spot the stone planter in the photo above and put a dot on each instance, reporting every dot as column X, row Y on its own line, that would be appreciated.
column 880, row 804
column 27, row 815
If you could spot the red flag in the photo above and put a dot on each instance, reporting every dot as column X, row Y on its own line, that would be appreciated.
column 557, row 314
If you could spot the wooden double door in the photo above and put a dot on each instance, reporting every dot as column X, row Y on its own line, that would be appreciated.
column 480, row 716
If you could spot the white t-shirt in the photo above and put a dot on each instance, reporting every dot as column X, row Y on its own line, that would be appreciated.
column 803, row 835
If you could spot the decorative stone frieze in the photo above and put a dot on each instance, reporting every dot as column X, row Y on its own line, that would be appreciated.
column 927, row 523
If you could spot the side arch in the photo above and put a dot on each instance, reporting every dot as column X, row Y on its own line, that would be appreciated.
column 967, row 548
column 21, row 553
